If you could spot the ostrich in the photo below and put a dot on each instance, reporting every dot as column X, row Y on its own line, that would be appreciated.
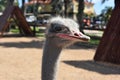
column 60, row 33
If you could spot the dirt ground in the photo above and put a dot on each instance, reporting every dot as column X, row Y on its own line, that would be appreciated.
column 20, row 59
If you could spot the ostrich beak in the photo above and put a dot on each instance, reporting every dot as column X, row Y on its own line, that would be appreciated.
column 74, row 36
column 80, row 36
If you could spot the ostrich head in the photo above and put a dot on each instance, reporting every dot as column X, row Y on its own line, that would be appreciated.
column 64, row 31
column 61, row 32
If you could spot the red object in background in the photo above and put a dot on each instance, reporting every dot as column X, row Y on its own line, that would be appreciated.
column 87, row 22
column 84, row 20
column 39, row 1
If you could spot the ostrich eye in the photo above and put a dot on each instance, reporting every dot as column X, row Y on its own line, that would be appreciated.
column 57, row 28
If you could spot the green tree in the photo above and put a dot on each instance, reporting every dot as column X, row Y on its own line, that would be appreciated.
column 16, row 3
column 103, row 1
column 3, row 3
column 106, row 13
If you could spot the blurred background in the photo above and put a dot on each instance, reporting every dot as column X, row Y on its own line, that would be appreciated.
column 91, row 15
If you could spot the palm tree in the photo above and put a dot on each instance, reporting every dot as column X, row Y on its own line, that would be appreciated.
column 23, row 2
column 80, row 13
column 103, row 1
column 65, row 12
column 106, row 13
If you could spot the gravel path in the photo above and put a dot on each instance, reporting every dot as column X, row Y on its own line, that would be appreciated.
column 20, row 59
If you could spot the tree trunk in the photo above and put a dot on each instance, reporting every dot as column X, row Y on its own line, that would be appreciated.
column 80, row 14
column 65, row 5
column 109, row 47
column 23, row 7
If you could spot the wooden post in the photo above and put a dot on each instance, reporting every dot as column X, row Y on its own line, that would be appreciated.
column 22, row 23
column 109, row 47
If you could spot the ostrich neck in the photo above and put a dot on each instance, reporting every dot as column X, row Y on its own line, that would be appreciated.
column 50, row 60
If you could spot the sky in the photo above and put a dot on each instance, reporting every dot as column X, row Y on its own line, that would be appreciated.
column 98, row 6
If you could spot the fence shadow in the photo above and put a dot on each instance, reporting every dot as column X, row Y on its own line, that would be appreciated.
column 98, row 67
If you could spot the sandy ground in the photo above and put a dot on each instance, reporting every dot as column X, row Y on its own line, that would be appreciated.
column 20, row 59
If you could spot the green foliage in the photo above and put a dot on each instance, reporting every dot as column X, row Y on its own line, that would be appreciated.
column 103, row 1
column 94, row 41
column 106, row 13
column 3, row 3
column 38, row 33
column 16, row 3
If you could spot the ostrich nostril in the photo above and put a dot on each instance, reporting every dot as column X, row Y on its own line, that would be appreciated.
column 76, row 34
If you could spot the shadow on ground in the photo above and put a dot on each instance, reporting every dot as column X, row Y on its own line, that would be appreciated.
column 31, row 44
column 82, row 45
column 98, row 67
column 39, row 44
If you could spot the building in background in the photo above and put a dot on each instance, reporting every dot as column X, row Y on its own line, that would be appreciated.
column 38, row 6
column 67, row 8
column 72, row 6
column 89, row 8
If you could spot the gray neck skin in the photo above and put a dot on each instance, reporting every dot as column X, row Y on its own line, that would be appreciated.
column 50, row 60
